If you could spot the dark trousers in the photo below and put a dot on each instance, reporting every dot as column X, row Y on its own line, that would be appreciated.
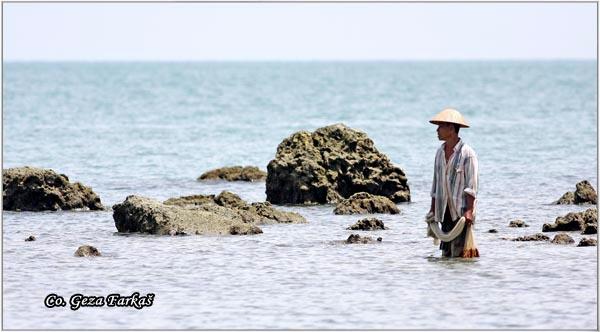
column 455, row 247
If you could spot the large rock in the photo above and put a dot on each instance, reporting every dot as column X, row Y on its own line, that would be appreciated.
column 573, row 221
column 36, row 189
column 590, row 229
column 231, row 205
column 536, row 237
column 584, row 194
column 235, row 173
column 563, row 238
column 145, row 215
column 331, row 164
column 368, row 224
column 365, row 203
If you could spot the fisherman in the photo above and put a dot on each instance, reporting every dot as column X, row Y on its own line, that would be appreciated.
column 455, row 178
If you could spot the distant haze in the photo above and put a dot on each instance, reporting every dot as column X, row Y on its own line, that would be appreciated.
column 298, row 31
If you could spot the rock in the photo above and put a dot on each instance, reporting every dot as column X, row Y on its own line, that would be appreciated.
column 536, row 237
column 365, row 203
column 330, row 164
column 235, row 173
column 355, row 238
column 590, row 229
column 587, row 242
column 30, row 238
column 517, row 223
column 563, row 238
column 86, row 250
column 379, row 239
column 584, row 194
column 36, row 189
column 231, row 205
column 368, row 224
column 145, row 215
column 493, row 230
column 566, row 198
column 573, row 221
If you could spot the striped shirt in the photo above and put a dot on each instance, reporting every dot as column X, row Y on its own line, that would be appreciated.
column 462, row 174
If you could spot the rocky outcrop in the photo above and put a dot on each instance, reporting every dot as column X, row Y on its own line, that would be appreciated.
column 517, row 223
column 145, row 215
column 590, row 229
column 573, row 221
column 587, row 242
column 365, row 203
column 36, row 189
column 330, row 164
column 355, row 238
column 235, row 173
column 231, row 205
column 563, row 238
column 86, row 250
column 536, row 237
column 368, row 224
column 584, row 194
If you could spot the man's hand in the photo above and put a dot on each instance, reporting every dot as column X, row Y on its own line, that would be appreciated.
column 468, row 217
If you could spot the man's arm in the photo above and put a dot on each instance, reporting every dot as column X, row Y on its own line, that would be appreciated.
column 469, row 213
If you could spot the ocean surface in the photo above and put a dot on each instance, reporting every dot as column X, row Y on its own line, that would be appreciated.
column 151, row 129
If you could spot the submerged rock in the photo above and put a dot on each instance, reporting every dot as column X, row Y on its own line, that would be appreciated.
column 145, row 215
column 584, row 194
column 235, row 173
column 365, row 203
column 355, row 238
column 536, row 237
column 86, row 250
column 330, row 164
column 231, row 205
column 563, row 238
column 517, row 223
column 573, row 221
column 368, row 224
column 493, row 230
column 36, row 189
column 30, row 238
column 587, row 242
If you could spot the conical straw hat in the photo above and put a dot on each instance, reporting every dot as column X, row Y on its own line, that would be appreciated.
column 450, row 115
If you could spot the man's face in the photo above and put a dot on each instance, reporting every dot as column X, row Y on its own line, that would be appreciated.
column 445, row 131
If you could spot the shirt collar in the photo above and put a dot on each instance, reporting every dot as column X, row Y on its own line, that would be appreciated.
column 457, row 146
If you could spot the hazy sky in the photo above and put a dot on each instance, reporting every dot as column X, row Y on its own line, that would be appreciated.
column 301, row 31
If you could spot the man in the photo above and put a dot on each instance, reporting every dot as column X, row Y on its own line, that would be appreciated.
column 455, row 177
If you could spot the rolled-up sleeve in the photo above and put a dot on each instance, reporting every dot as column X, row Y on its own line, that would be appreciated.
column 471, row 175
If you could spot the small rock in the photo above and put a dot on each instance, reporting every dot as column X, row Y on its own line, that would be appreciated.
column 235, row 173
column 379, row 239
column 368, row 224
column 365, row 203
column 587, row 242
column 536, row 237
column 245, row 229
column 563, row 238
column 30, row 238
column 517, row 223
column 87, row 250
column 355, row 238
column 493, row 230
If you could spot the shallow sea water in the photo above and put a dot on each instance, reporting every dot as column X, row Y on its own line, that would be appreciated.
column 151, row 128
